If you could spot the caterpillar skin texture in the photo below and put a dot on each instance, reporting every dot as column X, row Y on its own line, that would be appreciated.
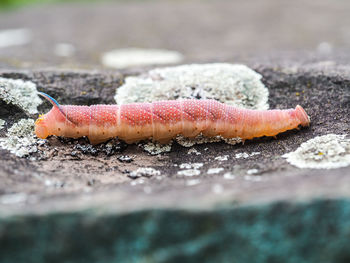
column 163, row 120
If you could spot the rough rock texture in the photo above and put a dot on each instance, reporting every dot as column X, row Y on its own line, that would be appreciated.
column 75, row 177
column 243, row 203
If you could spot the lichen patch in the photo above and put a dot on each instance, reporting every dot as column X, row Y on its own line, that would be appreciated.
column 144, row 172
column 133, row 57
column 191, row 165
column 15, row 37
column 322, row 152
column 189, row 172
column 21, row 93
column 2, row 124
column 215, row 170
column 193, row 151
column 200, row 139
column 20, row 139
column 222, row 158
column 191, row 169
column 245, row 155
column 252, row 171
column 232, row 84
column 155, row 148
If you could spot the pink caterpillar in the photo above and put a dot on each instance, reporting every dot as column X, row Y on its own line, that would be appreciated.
column 163, row 120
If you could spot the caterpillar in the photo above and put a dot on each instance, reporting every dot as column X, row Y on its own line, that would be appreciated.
column 163, row 120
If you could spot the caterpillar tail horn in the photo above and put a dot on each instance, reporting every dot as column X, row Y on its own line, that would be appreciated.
column 55, row 104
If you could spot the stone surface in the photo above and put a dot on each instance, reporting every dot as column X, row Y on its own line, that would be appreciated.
column 68, row 168
column 70, row 182
column 200, row 30
column 78, row 203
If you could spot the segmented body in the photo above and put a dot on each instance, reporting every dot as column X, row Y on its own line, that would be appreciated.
column 164, row 120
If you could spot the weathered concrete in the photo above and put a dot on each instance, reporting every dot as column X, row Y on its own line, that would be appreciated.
column 73, row 180
column 293, row 233
column 80, row 204
column 201, row 30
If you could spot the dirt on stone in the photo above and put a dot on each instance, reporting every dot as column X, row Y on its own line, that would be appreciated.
column 75, row 170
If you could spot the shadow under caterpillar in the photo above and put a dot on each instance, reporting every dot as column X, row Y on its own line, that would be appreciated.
column 164, row 120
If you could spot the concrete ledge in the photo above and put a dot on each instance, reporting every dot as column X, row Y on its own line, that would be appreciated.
column 317, row 231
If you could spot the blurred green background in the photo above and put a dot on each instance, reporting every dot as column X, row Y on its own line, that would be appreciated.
column 10, row 4
column 18, row 3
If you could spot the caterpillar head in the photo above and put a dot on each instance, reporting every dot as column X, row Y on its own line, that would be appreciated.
column 41, row 128
column 46, row 124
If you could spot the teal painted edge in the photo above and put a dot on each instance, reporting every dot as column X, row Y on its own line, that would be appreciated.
column 318, row 231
